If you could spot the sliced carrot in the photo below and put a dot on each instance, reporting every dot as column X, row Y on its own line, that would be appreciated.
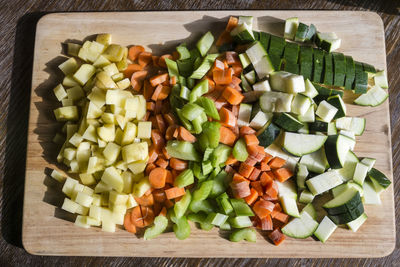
column 161, row 162
column 276, row 237
column 170, row 178
column 276, row 210
column 172, row 80
column 272, row 190
column 263, row 208
column 236, row 81
column 157, row 139
column 129, row 226
column 148, row 90
column 241, row 189
column 227, row 118
column 146, row 116
column 147, row 215
column 245, row 130
column 158, row 79
column 282, row 217
column 257, row 186
column 165, row 153
column 231, row 160
column 222, row 76
column 168, row 203
column 149, row 191
column 252, row 197
column 131, row 68
column 170, row 119
column 220, row 102
column 178, row 164
column 159, row 107
column 232, row 23
column 139, row 75
column 163, row 212
column 257, row 152
column 245, row 170
column 282, row 174
column 185, row 135
column 254, row 174
column 226, row 136
column 159, row 195
column 265, row 178
column 165, row 91
column 266, row 223
column 134, row 51
column 161, row 61
column 145, row 200
column 136, row 217
column 237, row 69
column 145, row 58
column 237, row 178
column 149, row 168
column 160, row 123
column 224, row 38
column 233, row 96
column 218, row 65
column 251, row 161
column 251, row 139
column 235, row 110
column 232, row 58
column 155, row 60
column 174, row 192
column 152, row 154
column 169, row 134
column 229, row 169
column 136, row 84
column 150, row 106
column 276, row 163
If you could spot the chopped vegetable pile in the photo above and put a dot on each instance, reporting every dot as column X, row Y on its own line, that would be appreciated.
column 235, row 133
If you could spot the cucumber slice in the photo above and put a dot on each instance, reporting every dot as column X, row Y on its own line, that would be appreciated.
column 301, row 227
column 344, row 202
column 379, row 178
column 380, row 79
column 374, row 97
column 291, row 25
column 262, row 86
column 357, row 125
column 316, row 161
column 350, row 73
column 348, row 134
column 244, row 114
column 328, row 41
column 264, row 67
column 302, row 144
column 328, row 69
column 309, row 116
column 291, row 67
column 337, row 147
column 324, row 182
column 325, row 229
column 260, row 119
column 287, row 122
column 301, row 175
column 245, row 60
column 309, row 208
column 245, row 84
column 370, row 162
column 326, row 111
column 278, row 80
column 300, row 104
column 306, row 197
column 267, row 135
column 357, row 187
column 251, row 77
column 301, row 32
column 371, row 197
column 343, row 123
column 360, row 173
column 306, row 61
column 338, row 103
column 331, row 129
column 356, row 224
column 310, row 90
column 347, row 172
column 349, row 216
column 339, row 189
column 276, row 102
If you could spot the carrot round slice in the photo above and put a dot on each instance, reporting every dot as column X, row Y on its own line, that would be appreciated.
column 157, row 178
column 129, row 226
column 134, row 52
column 136, row 217
column 148, row 215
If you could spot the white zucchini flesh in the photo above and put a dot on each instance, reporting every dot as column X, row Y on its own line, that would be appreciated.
column 356, row 224
column 326, row 111
column 380, row 79
column 244, row 114
column 316, row 161
column 310, row 90
column 360, row 173
column 373, row 97
column 260, row 119
column 324, row 182
column 291, row 25
column 325, row 229
column 302, row 227
column 301, row 144
column 262, row 86
column 371, row 197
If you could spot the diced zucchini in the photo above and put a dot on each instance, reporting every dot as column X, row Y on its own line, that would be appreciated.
column 302, row 144
column 291, row 25
column 324, row 182
column 306, row 197
column 316, row 161
column 356, row 224
column 374, row 97
column 325, row 229
column 380, row 79
column 301, row 227
column 328, row 41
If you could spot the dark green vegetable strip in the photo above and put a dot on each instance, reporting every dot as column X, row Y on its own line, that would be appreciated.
column 306, row 61
column 361, row 83
column 301, row 32
column 291, row 52
column 350, row 73
column 318, row 65
column 264, row 40
column 292, row 67
column 339, row 65
column 368, row 68
column 328, row 69
column 276, row 45
column 312, row 30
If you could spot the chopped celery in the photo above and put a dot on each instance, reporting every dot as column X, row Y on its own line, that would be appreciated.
column 204, row 66
column 225, row 206
column 191, row 111
column 202, row 205
column 225, row 226
column 206, row 167
column 182, row 150
column 210, row 136
column 241, row 208
column 185, row 92
column 197, row 171
column 181, row 79
column 209, row 107
column 172, row 68
column 185, row 122
column 183, row 51
column 248, row 234
column 203, row 190
column 182, row 205
column 240, row 150
column 220, row 155
column 185, row 178
column 219, row 185
column 199, row 89
column 217, row 219
column 190, row 82
column 215, row 172
column 181, row 228
column 200, row 218
column 160, row 224
column 223, row 195
column 198, row 123
column 240, row 222
column 207, row 153
column 185, row 67
column 204, row 44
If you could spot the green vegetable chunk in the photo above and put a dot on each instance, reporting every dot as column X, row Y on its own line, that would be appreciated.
column 160, row 224
column 185, row 178
column 240, row 150
column 182, row 205
column 248, row 234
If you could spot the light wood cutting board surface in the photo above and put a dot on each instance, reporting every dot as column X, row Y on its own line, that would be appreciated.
column 47, row 230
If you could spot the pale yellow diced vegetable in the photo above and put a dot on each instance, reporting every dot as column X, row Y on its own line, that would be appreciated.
column 88, row 190
column 107, row 132
column 87, row 178
column 77, row 188
column 118, row 214
column 106, row 80
column 104, row 38
column 93, row 111
column 75, row 93
column 121, row 121
column 117, row 110
column 137, row 177
column 121, row 165
column 138, row 166
column 95, row 123
column 76, row 139
column 132, row 104
column 114, row 53
column 73, row 49
column 82, row 210
column 123, row 84
column 144, row 130
column 58, row 176
column 118, row 77
column 93, row 164
column 69, row 153
column 111, row 69
column 71, row 130
column 101, row 61
column 89, row 85
column 112, row 177
column 83, row 153
column 131, row 202
column 60, row 92
column 108, row 118
column 123, row 64
column 69, row 66
column 141, row 187
column 129, row 133
column 94, row 51
column 104, row 198
column 102, row 187
column 69, row 81
column 69, row 205
column 92, row 221
column 83, row 199
column 117, row 198
column 95, row 212
column 111, row 151
column 135, row 152
column 84, row 73
column 60, row 156
column 81, row 222
column 108, row 226
column 74, row 166
column 127, row 177
column 98, row 97
column 90, row 134
column 69, row 113
column 67, row 102
column 117, row 97
column 96, row 199
column 141, row 111
column 101, row 143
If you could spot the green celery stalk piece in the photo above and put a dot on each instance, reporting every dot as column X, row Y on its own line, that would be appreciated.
column 205, row 42
column 225, row 206
column 203, row 190
column 210, row 136
column 203, row 66
column 207, row 153
column 220, row 155
column 185, row 178
column 183, row 52
column 191, row 111
column 182, row 205
column 172, row 68
column 241, row 208
column 160, row 224
column 182, row 228
column 240, row 150
column 182, row 150
column 199, row 89
column 248, row 234
column 240, row 222
column 206, row 167
column 197, row 171
column 219, row 185
column 217, row 219
column 200, row 218
column 201, row 205
column 209, row 107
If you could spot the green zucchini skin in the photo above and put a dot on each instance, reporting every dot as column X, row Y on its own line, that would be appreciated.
column 379, row 177
column 287, row 122
column 346, row 207
column 267, row 135
column 348, row 216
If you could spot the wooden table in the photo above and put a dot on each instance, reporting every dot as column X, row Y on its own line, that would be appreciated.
column 18, row 31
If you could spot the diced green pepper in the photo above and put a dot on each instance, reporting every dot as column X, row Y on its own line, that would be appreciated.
column 203, row 190
column 185, row 178
column 240, row 150
column 182, row 205
column 160, row 224
column 248, row 234
column 182, row 150
column 241, row 208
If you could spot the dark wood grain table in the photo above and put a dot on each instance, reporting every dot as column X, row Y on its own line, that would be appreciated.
column 18, row 21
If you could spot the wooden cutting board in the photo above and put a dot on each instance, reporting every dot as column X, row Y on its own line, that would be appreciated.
column 47, row 230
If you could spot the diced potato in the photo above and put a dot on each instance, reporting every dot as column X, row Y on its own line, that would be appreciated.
column 102, row 187
column 144, row 130
column 69, row 66
column 114, row 53
column 106, row 80
column 74, row 166
column 84, row 73
column 69, row 81
column 83, row 53
column 83, row 153
column 118, row 214
column 118, row 77
column 93, row 111
column 58, row 176
column 69, row 185
column 104, row 198
column 81, row 222
column 131, row 202
column 94, row 51
column 135, row 152
column 132, row 104
column 97, row 97
column 117, row 110
column 90, row 134
column 127, row 177
column 108, row 118
column 69, row 113
column 101, row 61
column 121, row 165
column 104, row 38
column 76, row 139
column 129, row 133
column 123, row 64
column 123, row 84
column 121, row 121
column 111, row 69
column 117, row 97
column 83, row 199
column 73, row 49
column 60, row 156
column 77, row 188
column 69, row 205
column 141, row 187
column 94, row 164
column 137, row 177
column 108, row 226
column 101, row 143
column 107, row 132
column 112, row 177
column 88, row 191
column 67, row 102
column 95, row 212
column 89, row 85
column 60, row 92
column 87, row 178
column 92, row 221
column 69, row 153
column 82, row 210
column 111, row 151
column 75, row 93
column 116, row 198
column 138, row 166
column 96, row 200
column 141, row 111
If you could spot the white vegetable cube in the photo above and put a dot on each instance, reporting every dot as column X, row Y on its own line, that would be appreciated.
column 111, row 69
column 128, row 182
column 141, row 111
column 104, row 38
column 111, row 151
column 95, row 212
column 114, row 53
column 262, row 86
column 123, row 84
column 138, row 166
column 88, row 190
column 87, row 178
column 118, row 214
column 92, row 221
column 69, row 81
column 326, row 111
column 60, row 92
column 117, row 110
column 141, row 187
column 69, row 153
column 106, row 80
column 77, row 188
column 300, row 104
column 96, row 200
column 144, row 130
column 360, row 173
column 94, row 111
column 129, row 133
column 76, row 139
column 108, row 118
column 260, row 119
column 121, row 120
column 107, row 132
column 244, row 114
column 112, row 178
column 325, row 229
column 343, row 123
column 131, row 202
column 135, row 152
column 98, row 97
column 69, row 113
column 117, row 97
column 90, row 134
column 83, row 153
column 108, row 226
column 82, row 210
column 58, row 176
column 118, row 136
column 116, row 198
column 278, row 80
column 67, row 102
column 70, row 205
column 81, row 221
column 83, row 199
column 118, row 77
column 132, row 105
column 380, row 79
column 295, row 84
column 84, row 73
column 94, row 51
column 291, row 25
column 101, row 61
column 121, row 165
column 69, row 66
column 102, row 187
